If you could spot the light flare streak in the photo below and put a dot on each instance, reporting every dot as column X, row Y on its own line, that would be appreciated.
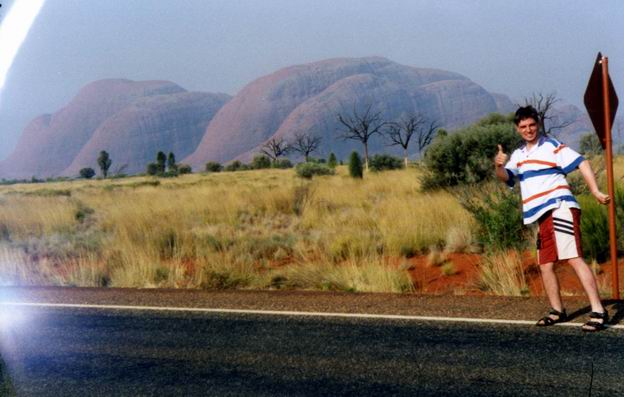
column 13, row 31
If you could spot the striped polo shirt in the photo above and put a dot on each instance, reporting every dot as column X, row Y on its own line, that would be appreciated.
column 541, row 171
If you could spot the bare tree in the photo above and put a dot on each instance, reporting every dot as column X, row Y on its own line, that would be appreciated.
column 274, row 148
column 415, row 126
column 549, row 120
column 361, row 126
column 305, row 143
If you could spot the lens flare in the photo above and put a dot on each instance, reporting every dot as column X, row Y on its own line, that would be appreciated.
column 13, row 31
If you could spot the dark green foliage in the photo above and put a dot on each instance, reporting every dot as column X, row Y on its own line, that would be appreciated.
column 382, row 162
column 152, row 169
column 87, row 173
column 589, row 145
column 282, row 163
column 309, row 169
column 236, row 166
column 594, row 228
column 213, row 166
column 161, row 162
column 466, row 157
column 184, row 169
column 104, row 162
column 595, row 225
column 331, row 161
column 260, row 162
column 498, row 214
column 355, row 165
column 172, row 166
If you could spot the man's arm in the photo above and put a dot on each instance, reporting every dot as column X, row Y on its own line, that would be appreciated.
column 499, row 164
column 590, row 179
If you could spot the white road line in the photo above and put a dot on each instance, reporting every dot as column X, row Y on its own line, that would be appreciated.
column 290, row 313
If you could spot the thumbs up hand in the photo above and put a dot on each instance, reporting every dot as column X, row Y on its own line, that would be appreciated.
column 501, row 157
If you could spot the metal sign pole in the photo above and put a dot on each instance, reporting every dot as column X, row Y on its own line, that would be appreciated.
column 615, row 280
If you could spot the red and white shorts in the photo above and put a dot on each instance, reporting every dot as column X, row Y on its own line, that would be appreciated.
column 559, row 235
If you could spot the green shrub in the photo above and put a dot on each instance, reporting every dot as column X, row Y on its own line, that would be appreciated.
column 308, row 170
column 260, row 162
column 282, row 164
column 498, row 214
column 213, row 166
column 184, row 169
column 590, row 145
column 152, row 169
column 355, row 165
column 382, row 162
column 236, row 166
column 331, row 161
column 466, row 157
column 594, row 228
column 87, row 173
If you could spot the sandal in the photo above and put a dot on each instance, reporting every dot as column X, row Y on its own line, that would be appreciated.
column 595, row 326
column 548, row 320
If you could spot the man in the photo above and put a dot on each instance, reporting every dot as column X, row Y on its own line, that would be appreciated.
column 541, row 165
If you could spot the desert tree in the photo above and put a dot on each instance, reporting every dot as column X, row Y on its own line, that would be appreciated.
column 172, row 166
column 305, row 143
column 104, row 162
column 161, row 162
column 416, row 126
column 549, row 121
column 361, row 126
column 87, row 173
column 274, row 148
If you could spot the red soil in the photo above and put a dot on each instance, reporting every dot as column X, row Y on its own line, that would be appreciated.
column 430, row 279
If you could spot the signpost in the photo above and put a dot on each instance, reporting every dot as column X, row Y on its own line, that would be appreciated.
column 601, row 103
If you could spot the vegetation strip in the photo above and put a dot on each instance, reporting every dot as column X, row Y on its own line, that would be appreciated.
column 288, row 313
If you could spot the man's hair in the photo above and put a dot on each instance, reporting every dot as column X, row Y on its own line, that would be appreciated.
column 526, row 112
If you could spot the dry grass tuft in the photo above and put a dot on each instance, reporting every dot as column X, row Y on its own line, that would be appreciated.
column 503, row 274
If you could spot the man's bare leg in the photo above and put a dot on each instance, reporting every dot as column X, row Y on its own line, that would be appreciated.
column 584, row 273
column 551, row 286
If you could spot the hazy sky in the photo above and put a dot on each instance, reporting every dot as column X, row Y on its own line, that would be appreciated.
column 512, row 47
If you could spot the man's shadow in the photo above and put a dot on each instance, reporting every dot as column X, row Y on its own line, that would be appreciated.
column 613, row 306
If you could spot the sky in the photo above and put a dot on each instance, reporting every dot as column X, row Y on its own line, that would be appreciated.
column 514, row 47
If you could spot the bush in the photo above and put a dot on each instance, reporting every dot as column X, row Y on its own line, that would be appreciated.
column 184, row 169
column 466, row 157
column 282, row 163
column 382, row 162
column 590, row 145
column 152, row 169
column 355, row 165
column 498, row 214
column 331, row 161
column 213, row 166
column 308, row 170
column 87, row 173
column 236, row 166
column 594, row 228
column 260, row 162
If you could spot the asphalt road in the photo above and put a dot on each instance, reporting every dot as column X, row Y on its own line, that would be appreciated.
column 70, row 352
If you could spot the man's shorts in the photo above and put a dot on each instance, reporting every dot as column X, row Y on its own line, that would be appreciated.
column 559, row 235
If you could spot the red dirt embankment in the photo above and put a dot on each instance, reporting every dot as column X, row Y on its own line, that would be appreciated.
column 465, row 281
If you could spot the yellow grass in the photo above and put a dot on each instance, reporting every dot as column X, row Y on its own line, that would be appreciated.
column 503, row 274
column 225, row 230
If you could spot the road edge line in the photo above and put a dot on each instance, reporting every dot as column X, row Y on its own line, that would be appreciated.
column 290, row 313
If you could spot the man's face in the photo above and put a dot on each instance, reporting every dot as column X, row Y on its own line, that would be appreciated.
column 528, row 129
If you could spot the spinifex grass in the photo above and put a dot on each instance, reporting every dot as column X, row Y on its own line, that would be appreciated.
column 502, row 274
column 224, row 230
